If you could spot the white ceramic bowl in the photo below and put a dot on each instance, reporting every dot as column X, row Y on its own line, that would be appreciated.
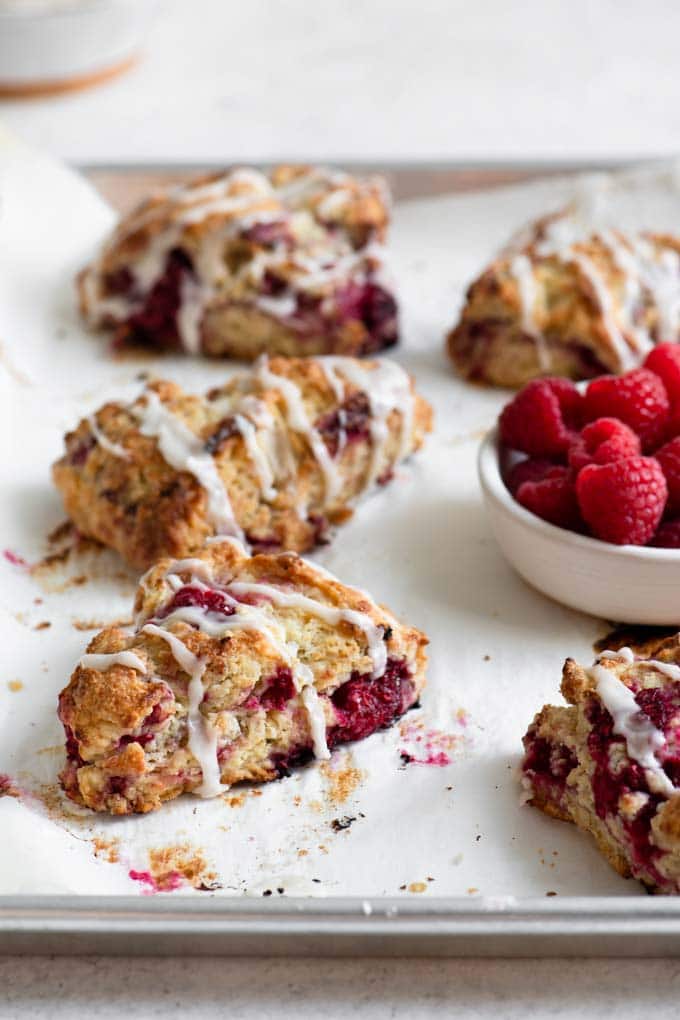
column 621, row 583
column 47, row 45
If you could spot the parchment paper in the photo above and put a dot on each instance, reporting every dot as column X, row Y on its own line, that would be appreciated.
column 367, row 824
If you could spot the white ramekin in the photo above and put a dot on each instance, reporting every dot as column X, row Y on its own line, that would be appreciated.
column 621, row 583
column 48, row 45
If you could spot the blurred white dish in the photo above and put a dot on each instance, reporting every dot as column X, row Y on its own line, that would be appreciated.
column 48, row 45
column 622, row 583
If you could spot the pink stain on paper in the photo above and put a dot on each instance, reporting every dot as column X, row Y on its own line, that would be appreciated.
column 170, row 881
column 434, row 747
column 15, row 559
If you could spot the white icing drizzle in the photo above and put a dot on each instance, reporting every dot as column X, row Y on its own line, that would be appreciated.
column 190, row 314
column 202, row 736
column 332, row 615
column 388, row 388
column 281, row 307
column 327, row 366
column 669, row 669
column 317, row 720
column 183, row 450
column 106, row 444
column 522, row 269
column 260, row 461
column 642, row 738
column 255, row 618
column 104, row 660
column 624, row 653
column 299, row 421
column 267, row 443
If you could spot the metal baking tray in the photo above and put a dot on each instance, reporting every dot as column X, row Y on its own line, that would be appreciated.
column 542, row 917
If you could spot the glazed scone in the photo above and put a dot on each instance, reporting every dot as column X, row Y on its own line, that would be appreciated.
column 272, row 457
column 610, row 762
column 243, row 263
column 562, row 300
column 239, row 667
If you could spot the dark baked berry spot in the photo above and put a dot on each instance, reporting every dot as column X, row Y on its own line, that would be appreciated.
column 155, row 324
column 347, row 424
column 280, row 689
column 283, row 763
column 223, row 431
column 209, row 599
column 119, row 282
column 363, row 704
column 79, row 452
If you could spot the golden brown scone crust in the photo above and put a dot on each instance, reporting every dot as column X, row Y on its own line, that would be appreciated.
column 577, row 765
column 242, row 263
column 567, row 330
column 145, row 509
column 127, row 734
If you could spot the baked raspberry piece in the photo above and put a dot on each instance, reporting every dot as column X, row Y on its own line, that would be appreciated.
column 533, row 469
column 668, row 535
column 610, row 762
column 669, row 459
column 664, row 361
column 542, row 418
column 638, row 399
column 553, row 498
column 603, row 440
column 623, row 501
column 238, row 668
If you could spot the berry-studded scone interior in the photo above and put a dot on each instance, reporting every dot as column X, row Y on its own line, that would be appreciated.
column 237, row 264
column 238, row 668
column 565, row 298
column 610, row 762
column 272, row 457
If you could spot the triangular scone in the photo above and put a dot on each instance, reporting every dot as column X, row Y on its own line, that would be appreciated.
column 239, row 667
column 562, row 299
column 272, row 457
column 611, row 762
column 243, row 263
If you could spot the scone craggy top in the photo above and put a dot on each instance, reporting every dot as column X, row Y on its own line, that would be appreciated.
column 620, row 747
column 287, row 662
column 274, row 456
column 300, row 245
column 567, row 298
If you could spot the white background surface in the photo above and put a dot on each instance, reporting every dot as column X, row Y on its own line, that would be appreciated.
column 436, row 79
column 382, row 79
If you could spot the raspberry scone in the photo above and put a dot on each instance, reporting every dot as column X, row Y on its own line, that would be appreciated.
column 239, row 668
column 272, row 457
column 611, row 761
column 563, row 300
column 241, row 263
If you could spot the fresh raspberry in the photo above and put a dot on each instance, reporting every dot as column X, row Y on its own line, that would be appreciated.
column 553, row 498
column 673, row 423
column 668, row 535
column 542, row 418
column 622, row 501
column 637, row 398
column 533, row 469
column 669, row 459
column 664, row 361
column 603, row 440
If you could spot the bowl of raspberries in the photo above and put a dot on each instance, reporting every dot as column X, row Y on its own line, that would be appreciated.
column 582, row 484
